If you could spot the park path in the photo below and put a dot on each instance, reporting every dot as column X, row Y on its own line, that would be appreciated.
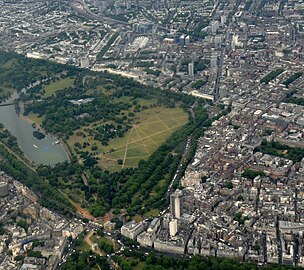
column 146, row 137
column 142, row 141
column 126, row 150
column 19, row 158
column 84, row 212
column 163, row 122
column 88, row 240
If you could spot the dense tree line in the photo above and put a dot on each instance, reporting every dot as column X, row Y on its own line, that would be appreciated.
column 107, row 46
column 198, row 84
column 85, row 261
column 292, row 78
column 118, row 189
column 160, row 166
column 39, row 135
column 131, row 260
column 280, row 150
column 48, row 195
column 251, row 174
column 10, row 141
column 22, row 71
column 60, row 116
column 294, row 100
column 270, row 76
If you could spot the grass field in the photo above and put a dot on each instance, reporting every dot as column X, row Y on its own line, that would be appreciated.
column 152, row 213
column 150, row 129
column 106, row 240
column 84, row 247
column 53, row 87
column 34, row 117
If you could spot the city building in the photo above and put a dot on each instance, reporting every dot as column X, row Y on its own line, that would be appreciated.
column 176, row 203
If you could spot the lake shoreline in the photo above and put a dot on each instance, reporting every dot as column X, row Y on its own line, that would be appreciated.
column 36, row 152
column 39, row 127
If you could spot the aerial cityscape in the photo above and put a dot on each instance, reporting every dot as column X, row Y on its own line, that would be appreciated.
column 164, row 134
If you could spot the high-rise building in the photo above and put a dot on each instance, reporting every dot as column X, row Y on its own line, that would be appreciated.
column 129, row 5
column 191, row 69
column 187, row 40
column 175, row 203
column 235, row 42
column 173, row 227
column 4, row 191
column 213, row 60
column 223, row 19
column 182, row 40
column 217, row 39
column 214, row 26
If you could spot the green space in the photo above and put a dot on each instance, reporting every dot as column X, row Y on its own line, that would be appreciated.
column 272, row 75
column 198, row 84
column 280, row 150
column 10, row 141
column 83, row 246
column 251, row 174
column 105, row 243
column 12, row 161
column 150, row 129
column 57, row 85
column 240, row 218
column 5, row 92
column 292, row 78
column 294, row 100
column 18, row 72
column 153, row 72
column 105, row 48
column 34, row 117
column 126, row 139
column 39, row 135
column 152, row 213
column 132, row 259
column 85, row 260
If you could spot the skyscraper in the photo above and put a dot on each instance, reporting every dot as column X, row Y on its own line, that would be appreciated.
column 175, row 203
column 173, row 227
column 191, row 69
column 214, row 26
column 223, row 19
column 213, row 60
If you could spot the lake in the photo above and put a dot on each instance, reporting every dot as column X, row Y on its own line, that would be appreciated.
column 43, row 151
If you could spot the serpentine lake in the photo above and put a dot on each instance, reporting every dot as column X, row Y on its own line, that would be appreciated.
column 46, row 151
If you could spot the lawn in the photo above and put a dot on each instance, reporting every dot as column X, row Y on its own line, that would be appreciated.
column 152, row 213
column 151, row 128
column 34, row 117
column 84, row 246
column 133, row 263
column 61, row 84
column 106, row 240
